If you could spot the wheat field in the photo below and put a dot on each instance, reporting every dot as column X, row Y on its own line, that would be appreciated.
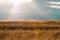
column 30, row 30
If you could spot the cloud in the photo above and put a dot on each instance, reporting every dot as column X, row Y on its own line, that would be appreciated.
column 54, row 6
column 53, row 2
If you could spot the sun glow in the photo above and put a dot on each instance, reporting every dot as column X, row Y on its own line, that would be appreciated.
column 21, row 1
column 18, row 8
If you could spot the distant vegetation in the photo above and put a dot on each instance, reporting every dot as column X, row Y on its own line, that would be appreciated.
column 30, row 25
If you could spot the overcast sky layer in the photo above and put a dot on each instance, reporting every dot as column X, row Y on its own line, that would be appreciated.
column 36, row 10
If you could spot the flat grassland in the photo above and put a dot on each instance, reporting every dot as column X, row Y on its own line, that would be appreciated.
column 30, row 30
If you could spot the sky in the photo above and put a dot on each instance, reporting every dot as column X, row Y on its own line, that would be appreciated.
column 30, row 10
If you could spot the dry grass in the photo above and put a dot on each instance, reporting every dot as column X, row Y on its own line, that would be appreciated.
column 30, row 30
column 29, row 35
